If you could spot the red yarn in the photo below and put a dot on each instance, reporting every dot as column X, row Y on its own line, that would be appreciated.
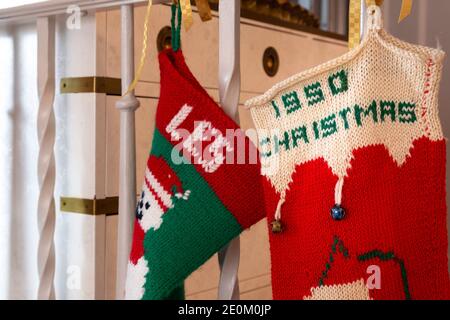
column 176, row 80
column 388, row 208
column 137, row 249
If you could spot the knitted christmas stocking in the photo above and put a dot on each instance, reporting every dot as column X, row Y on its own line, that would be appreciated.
column 355, row 159
column 200, row 189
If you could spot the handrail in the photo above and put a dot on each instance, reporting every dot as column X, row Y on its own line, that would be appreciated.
column 54, row 7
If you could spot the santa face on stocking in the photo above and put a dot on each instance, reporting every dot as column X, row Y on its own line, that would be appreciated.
column 161, row 189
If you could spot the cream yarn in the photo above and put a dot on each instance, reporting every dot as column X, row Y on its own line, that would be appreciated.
column 382, row 92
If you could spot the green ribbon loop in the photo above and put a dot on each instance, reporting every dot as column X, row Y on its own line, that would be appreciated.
column 176, row 27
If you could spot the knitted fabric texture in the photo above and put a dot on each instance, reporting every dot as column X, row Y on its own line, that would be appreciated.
column 361, row 132
column 194, row 198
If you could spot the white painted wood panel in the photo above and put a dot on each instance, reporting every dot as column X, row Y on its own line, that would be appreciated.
column 111, row 257
column 297, row 50
column 78, row 158
column 255, row 288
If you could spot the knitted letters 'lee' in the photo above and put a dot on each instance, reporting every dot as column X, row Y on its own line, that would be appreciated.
column 359, row 135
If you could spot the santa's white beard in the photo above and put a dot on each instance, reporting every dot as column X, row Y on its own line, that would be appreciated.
column 134, row 287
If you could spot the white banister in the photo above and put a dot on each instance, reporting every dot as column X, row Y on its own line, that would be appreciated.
column 46, row 157
column 54, row 7
column 127, row 175
column 229, row 90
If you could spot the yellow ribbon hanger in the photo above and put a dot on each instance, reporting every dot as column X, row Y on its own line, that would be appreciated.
column 133, row 84
column 204, row 10
column 186, row 11
column 405, row 10
column 354, row 18
column 187, row 20
column 354, row 23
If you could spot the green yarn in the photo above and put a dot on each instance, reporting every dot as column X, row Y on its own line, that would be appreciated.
column 291, row 102
column 314, row 93
column 336, row 247
column 387, row 109
column 387, row 256
column 177, row 294
column 299, row 134
column 198, row 228
column 328, row 125
column 176, row 29
column 263, row 142
column 359, row 112
column 346, row 119
column 172, row 24
column 341, row 86
column 276, row 109
column 343, row 114
column 282, row 142
column 407, row 112
column 316, row 130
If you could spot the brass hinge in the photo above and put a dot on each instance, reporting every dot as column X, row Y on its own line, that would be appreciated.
column 94, row 207
column 110, row 86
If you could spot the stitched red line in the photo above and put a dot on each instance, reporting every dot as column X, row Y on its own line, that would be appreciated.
column 424, row 109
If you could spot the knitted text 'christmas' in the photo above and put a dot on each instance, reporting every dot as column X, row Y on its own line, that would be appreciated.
column 201, row 189
column 355, row 152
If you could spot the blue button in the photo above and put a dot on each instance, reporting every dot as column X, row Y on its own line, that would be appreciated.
column 337, row 212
